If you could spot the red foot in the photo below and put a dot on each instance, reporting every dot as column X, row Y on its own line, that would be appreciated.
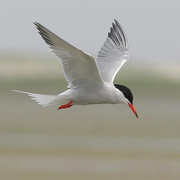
column 64, row 106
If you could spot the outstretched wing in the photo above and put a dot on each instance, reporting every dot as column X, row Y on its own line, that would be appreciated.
column 80, row 69
column 113, row 54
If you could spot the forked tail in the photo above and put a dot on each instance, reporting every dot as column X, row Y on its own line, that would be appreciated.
column 45, row 100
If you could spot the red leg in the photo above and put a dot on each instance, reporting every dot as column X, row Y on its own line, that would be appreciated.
column 64, row 106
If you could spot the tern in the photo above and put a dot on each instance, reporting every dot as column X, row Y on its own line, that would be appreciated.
column 90, row 81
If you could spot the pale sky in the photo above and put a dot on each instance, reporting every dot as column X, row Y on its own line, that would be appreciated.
column 152, row 27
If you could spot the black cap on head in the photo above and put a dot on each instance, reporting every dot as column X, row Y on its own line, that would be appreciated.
column 126, row 91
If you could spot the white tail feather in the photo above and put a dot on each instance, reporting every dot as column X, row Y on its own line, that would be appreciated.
column 45, row 100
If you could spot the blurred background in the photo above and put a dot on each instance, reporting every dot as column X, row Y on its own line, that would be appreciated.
column 98, row 142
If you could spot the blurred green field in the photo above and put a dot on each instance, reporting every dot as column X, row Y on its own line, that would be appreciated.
column 98, row 142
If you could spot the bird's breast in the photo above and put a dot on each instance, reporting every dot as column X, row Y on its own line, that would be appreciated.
column 96, row 95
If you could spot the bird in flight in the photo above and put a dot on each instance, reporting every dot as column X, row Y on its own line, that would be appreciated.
column 90, row 81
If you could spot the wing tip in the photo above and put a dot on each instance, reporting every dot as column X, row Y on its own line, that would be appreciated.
column 118, row 35
column 44, row 34
column 116, row 22
column 37, row 24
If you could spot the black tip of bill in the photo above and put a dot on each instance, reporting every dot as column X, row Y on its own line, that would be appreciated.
column 136, row 115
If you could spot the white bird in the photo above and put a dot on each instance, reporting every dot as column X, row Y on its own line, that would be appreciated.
column 90, row 81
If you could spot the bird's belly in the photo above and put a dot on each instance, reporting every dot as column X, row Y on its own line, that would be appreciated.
column 94, row 97
column 90, row 99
